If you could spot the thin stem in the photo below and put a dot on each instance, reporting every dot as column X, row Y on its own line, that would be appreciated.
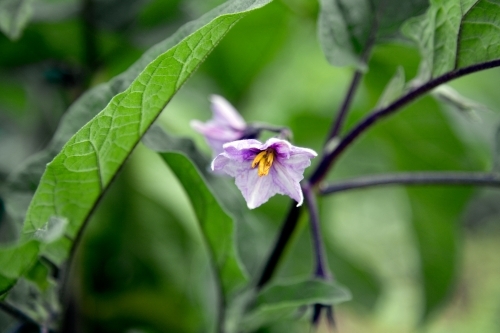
column 416, row 178
column 22, row 317
column 344, row 108
column 371, row 119
column 279, row 247
column 353, row 87
column 321, row 270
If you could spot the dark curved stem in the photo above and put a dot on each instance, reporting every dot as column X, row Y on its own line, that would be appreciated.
column 279, row 247
column 22, row 317
column 415, row 178
column 344, row 108
column 353, row 87
column 321, row 270
column 371, row 119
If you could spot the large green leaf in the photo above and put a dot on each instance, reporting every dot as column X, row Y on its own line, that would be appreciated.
column 14, row 15
column 347, row 27
column 216, row 224
column 77, row 177
column 456, row 33
column 281, row 301
column 23, row 183
column 251, row 247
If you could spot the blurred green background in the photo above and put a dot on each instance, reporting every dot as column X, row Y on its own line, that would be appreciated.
column 421, row 259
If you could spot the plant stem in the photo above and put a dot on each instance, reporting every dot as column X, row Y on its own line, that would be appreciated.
column 22, row 317
column 375, row 116
column 415, row 178
column 321, row 270
column 353, row 87
column 345, row 106
column 279, row 247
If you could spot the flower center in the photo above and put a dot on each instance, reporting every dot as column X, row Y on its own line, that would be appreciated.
column 264, row 160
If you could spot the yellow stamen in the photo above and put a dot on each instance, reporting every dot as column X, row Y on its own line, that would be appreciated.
column 264, row 160
column 258, row 158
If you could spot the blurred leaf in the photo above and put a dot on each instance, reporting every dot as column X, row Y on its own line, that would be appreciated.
column 5, row 284
column 138, row 264
column 235, row 68
column 453, row 98
column 302, row 293
column 363, row 284
column 394, row 89
column 39, row 274
column 14, row 15
column 216, row 224
column 280, row 301
column 455, row 34
column 251, row 248
column 347, row 28
column 14, row 261
column 496, row 157
column 435, row 221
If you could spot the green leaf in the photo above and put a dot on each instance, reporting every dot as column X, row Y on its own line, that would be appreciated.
column 251, row 248
column 348, row 28
column 496, row 153
column 15, row 260
column 302, row 293
column 455, row 100
column 394, row 89
column 455, row 34
column 14, row 16
column 215, row 223
column 280, row 301
column 77, row 177
column 22, row 185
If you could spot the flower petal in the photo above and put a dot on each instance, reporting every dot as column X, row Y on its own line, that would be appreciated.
column 256, row 190
column 287, row 181
column 232, row 167
column 284, row 176
column 225, row 113
column 242, row 150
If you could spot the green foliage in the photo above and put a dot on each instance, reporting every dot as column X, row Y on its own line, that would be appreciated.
column 14, row 16
column 455, row 34
column 143, row 264
column 348, row 29
column 76, row 178
column 216, row 224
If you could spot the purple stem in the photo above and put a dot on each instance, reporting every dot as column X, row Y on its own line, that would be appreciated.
column 371, row 119
column 416, row 178
column 279, row 247
column 344, row 108
column 321, row 270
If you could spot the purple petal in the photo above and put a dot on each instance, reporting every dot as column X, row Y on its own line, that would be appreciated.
column 286, row 180
column 226, row 114
column 242, row 150
column 283, row 178
column 256, row 190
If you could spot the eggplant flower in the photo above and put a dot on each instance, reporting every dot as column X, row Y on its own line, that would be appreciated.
column 262, row 170
column 226, row 124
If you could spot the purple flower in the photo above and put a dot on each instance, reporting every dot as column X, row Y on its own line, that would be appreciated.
column 264, row 169
column 226, row 125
